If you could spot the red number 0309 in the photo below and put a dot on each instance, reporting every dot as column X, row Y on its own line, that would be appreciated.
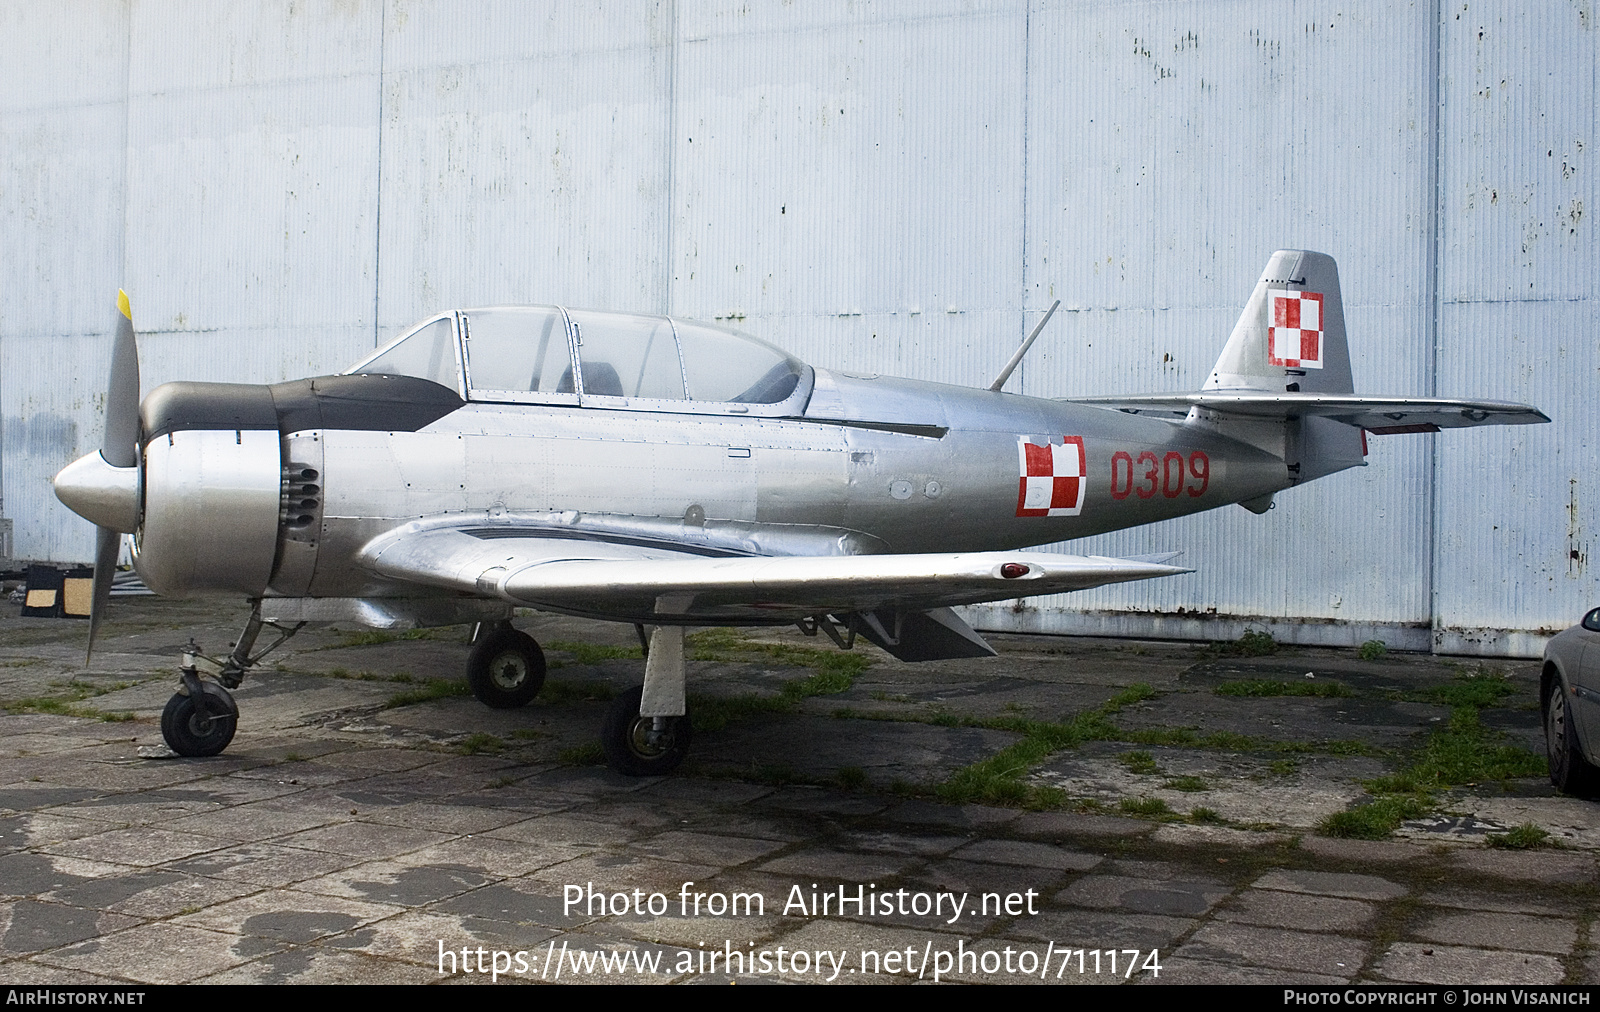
column 1171, row 474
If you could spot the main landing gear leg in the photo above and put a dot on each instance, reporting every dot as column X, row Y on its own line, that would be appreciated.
column 201, row 717
column 646, row 730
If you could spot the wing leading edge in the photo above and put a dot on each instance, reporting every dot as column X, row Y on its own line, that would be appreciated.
column 645, row 583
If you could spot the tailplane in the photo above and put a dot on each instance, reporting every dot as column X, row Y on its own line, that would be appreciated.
column 1283, row 381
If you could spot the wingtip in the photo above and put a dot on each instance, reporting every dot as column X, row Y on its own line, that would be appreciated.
column 122, row 305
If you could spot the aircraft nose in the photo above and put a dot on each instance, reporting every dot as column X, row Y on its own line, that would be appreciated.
column 102, row 494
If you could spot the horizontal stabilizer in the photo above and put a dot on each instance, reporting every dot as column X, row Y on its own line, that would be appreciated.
column 1375, row 414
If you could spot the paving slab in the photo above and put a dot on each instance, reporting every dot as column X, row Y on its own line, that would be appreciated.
column 1325, row 883
column 1424, row 963
column 1527, row 933
column 338, row 839
column 1299, row 911
column 1167, row 896
column 1328, row 955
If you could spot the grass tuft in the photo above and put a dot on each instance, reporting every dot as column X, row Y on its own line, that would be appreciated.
column 851, row 777
column 594, row 653
column 1187, row 783
column 1139, row 762
column 1259, row 687
column 479, row 742
column 1521, row 837
column 1372, row 650
column 433, row 688
column 588, row 754
column 1147, row 807
column 556, row 693
column 1204, row 816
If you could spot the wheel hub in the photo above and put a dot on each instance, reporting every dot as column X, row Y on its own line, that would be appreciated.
column 648, row 741
column 508, row 671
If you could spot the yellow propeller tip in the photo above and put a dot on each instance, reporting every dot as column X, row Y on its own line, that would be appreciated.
column 122, row 304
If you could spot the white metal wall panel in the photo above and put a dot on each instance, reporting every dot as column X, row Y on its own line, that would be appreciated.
column 524, row 158
column 1520, row 320
column 880, row 187
column 63, row 93
column 251, row 201
column 851, row 185
column 1172, row 147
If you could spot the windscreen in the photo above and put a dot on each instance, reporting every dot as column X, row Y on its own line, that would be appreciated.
column 428, row 354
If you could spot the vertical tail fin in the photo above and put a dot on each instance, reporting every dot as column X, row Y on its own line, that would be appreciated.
column 1291, row 333
column 1291, row 339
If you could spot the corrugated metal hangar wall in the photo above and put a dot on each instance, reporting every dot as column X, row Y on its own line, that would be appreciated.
column 901, row 188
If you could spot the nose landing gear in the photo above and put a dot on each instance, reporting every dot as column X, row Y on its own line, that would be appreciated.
column 200, row 718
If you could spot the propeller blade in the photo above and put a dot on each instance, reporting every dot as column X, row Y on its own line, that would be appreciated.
column 107, row 545
column 121, row 444
column 120, row 448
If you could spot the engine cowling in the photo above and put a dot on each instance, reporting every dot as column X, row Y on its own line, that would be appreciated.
column 212, row 502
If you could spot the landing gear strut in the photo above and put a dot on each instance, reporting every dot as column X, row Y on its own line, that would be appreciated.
column 646, row 731
column 200, row 718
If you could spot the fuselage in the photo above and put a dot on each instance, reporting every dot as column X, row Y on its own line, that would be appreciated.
column 906, row 466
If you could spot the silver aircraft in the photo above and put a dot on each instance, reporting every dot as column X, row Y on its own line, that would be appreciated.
column 667, row 473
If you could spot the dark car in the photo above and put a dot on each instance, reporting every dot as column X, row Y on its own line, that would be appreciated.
column 1569, row 690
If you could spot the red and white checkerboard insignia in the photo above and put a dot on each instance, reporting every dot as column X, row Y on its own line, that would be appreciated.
column 1294, row 338
column 1052, row 480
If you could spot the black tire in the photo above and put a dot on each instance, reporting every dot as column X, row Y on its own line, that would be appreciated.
column 1570, row 772
column 188, row 734
column 631, row 745
column 505, row 669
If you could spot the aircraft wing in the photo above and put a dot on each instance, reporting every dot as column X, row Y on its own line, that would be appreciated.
column 633, row 581
column 1375, row 414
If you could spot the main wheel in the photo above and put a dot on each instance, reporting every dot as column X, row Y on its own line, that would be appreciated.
column 1569, row 770
column 190, row 734
column 505, row 669
column 635, row 745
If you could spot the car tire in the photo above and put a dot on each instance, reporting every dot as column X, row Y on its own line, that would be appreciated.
column 631, row 747
column 505, row 669
column 1570, row 772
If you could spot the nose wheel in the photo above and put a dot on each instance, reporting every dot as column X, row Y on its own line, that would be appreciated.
column 200, row 718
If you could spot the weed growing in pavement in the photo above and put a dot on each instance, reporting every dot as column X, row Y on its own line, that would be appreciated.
column 1187, row 783
column 851, row 777
column 1139, row 762
column 1520, row 837
column 1147, row 807
column 1463, row 751
column 1204, row 816
column 1258, row 687
column 433, row 688
column 834, row 672
column 588, row 754
column 1371, row 650
column 480, row 741
column 594, row 653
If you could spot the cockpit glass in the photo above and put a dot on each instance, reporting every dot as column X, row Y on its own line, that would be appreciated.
column 622, row 355
column 723, row 365
column 428, row 354
column 520, row 350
